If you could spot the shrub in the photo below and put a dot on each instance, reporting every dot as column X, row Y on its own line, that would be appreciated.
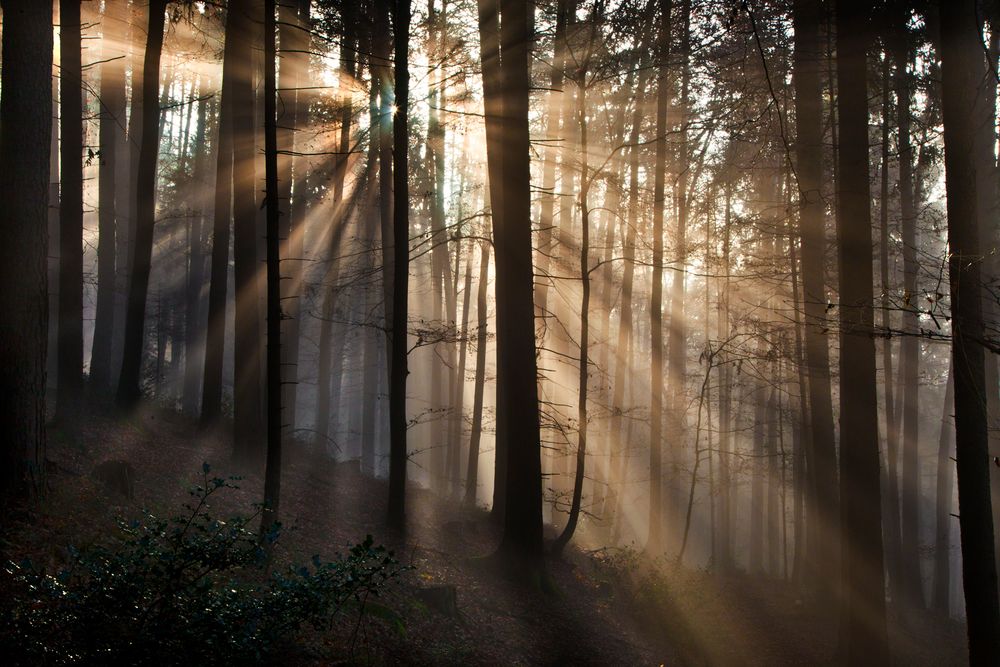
column 193, row 589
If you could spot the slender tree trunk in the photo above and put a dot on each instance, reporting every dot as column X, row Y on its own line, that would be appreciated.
column 129, row 390
column 894, row 563
column 401, row 269
column 70, row 348
column 112, row 122
column 272, row 474
column 472, row 471
column 211, row 400
column 863, row 633
column 962, row 70
column 248, row 426
column 941, row 592
column 584, row 368
column 911, row 587
column 822, row 466
column 24, row 189
column 654, row 541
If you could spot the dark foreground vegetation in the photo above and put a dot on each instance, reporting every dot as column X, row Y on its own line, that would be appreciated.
column 94, row 577
column 630, row 331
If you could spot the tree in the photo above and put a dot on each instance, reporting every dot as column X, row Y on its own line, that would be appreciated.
column 821, row 459
column 521, row 543
column 863, row 633
column 962, row 69
column 129, row 391
column 112, row 137
column 70, row 348
column 211, row 399
column 272, row 475
column 26, row 105
column 654, row 540
column 401, row 269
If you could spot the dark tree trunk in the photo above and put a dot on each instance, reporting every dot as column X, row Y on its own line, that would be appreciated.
column 293, row 74
column 24, row 190
column 508, row 152
column 654, row 541
column 211, row 400
column 70, row 348
column 401, row 269
column 863, row 630
column 584, row 362
column 911, row 586
column 272, row 473
column 472, row 471
column 822, row 465
column 941, row 592
column 962, row 70
column 112, row 139
column 129, row 391
column 248, row 426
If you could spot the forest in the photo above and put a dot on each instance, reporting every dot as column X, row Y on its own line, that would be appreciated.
column 486, row 332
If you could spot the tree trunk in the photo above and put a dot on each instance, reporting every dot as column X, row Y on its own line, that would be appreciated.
column 508, row 148
column 822, row 466
column 654, row 541
column 472, row 470
column 941, row 592
column 70, row 349
column 129, row 390
column 248, row 426
column 24, row 308
column 863, row 633
column 911, row 586
column 112, row 139
column 272, row 473
column 962, row 70
column 401, row 269
column 211, row 399
column 584, row 367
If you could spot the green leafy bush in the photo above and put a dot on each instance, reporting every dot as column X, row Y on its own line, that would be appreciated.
column 193, row 589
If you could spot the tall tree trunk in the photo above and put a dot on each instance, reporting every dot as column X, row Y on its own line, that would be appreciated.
column 293, row 73
column 211, row 400
column 472, row 470
column 129, row 390
column 401, row 268
column 194, row 324
column 112, row 139
column 911, row 587
column 863, row 633
column 521, row 544
column 654, row 541
column 894, row 562
column 272, row 473
column 24, row 189
column 70, row 349
column 822, row 465
column 941, row 592
column 584, row 367
column 677, row 342
column 489, row 41
column 962, row 70
column 248, row 426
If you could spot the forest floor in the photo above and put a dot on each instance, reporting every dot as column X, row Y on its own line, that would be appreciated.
column 602, row 608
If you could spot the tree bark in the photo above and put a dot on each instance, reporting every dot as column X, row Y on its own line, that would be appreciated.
column 863, row 633
column 70, row 348
column 401, row 269
column 129, row 390
column 822, row 465
column 24, row 308
column 962, row 70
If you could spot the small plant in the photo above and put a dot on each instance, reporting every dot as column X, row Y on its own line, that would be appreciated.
column 193, row 589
